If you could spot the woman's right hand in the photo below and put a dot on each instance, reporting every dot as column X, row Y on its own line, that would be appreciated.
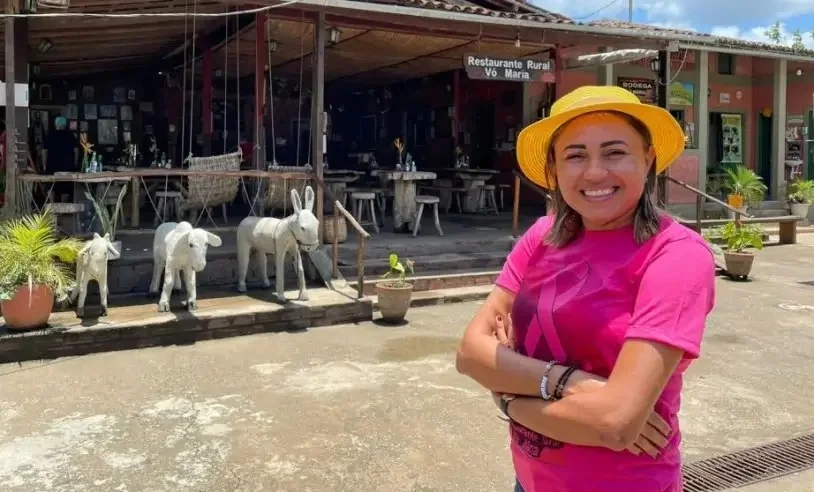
column 655, row 435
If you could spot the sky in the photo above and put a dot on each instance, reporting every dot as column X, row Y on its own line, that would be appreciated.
column 743, row 19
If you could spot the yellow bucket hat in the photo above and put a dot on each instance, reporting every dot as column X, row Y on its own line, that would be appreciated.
column 534, row 141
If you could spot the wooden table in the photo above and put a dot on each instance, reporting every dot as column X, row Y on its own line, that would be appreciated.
column 404, row 208
column 472, row 180
column 138, row 175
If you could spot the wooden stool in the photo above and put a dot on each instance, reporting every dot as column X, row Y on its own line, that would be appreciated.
column 348, row 192
column 422, row 200
column 174, row 197
column 455, row 193
column 487, row 199
column 68, row 209
column 110, row 203
column 362, row 199
column 502, row 187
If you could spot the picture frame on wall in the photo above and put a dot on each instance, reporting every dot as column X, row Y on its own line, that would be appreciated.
column 126, row 113
column 119, row 95
column 145, row 106
column 70, row 111
column 108, row 111
column 83, row 126
column 91, row 111
column 108, row 132
column 88, row 93
column 73, row 125
column 72, row 95
column 126, row 126
column 131, row 94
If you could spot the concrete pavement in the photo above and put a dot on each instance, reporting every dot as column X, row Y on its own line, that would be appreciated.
column 368, row 408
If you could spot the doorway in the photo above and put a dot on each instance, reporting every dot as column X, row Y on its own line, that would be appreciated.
column 764, row 149
column 483, row 135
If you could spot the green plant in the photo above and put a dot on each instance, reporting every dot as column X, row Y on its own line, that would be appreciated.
column 740, row 238
column 398, row 271
column 31, row 253
column 108, row 223
column 744, row 182
column 801, row 191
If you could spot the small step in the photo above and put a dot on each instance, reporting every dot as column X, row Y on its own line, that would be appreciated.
column 436, row 282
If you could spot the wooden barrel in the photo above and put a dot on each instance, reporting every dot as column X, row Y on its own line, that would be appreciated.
column 328, row 229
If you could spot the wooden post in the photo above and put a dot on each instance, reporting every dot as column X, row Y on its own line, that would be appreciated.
column 335, row 245
column 11, row 127
column 260, row 60
column 206, row 101
column 516, row 208
column 456, row 110
column 360, row 266
column 318, row 110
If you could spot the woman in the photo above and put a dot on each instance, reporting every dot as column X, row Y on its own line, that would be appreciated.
column 600, row 307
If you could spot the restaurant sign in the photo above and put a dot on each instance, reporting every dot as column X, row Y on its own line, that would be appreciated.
column 645, row 89
column 510, row 69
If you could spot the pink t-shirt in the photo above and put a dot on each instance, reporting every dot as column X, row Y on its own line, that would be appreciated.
column 578, row 305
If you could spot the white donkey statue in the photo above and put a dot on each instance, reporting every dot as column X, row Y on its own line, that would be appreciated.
column 269, row 235
column 179, row 247
column 91, row 264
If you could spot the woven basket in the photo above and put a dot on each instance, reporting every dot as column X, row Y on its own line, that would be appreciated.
column 278, row 193
column 328, row 230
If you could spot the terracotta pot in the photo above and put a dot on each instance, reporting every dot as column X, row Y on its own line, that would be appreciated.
column 735, row 201
column 738, row 265
column 800, row 209
column 393, row 301
column 29, row 308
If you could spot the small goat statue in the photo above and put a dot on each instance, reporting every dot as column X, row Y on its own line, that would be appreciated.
column 268, row 235
column 178, row 247
column 91, row 264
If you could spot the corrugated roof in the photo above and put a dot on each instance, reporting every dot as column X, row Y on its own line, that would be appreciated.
column 712, row 40
column 513, row 9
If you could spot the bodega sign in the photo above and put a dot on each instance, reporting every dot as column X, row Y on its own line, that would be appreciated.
column 486, row 67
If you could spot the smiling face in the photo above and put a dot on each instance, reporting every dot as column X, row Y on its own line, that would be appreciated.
column 601, row 162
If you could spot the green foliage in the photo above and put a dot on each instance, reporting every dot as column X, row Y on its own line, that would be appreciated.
column 775, row 34
column 108, row 223
column 801, row 191
column 797, row 40
column 744, row 182
column 31, row 253
column 740, row 238
column 398, row 271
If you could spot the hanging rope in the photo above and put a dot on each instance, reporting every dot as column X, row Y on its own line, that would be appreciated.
column 271, row 96
column 184, row 85
column 192, row 77
column 225, row 81
column 299, row 103
column 237, row 88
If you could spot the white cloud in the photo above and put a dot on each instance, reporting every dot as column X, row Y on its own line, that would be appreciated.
column 759, row 34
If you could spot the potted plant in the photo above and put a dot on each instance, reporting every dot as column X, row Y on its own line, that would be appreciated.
column 395, row 293
column 108, row 222
column 738, row 240
column 801, row 192
column 34, row 269
column 745, row 188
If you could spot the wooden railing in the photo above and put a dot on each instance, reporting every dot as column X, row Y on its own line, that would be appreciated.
column 700, row 196
column 340, row 211
column 518, row 179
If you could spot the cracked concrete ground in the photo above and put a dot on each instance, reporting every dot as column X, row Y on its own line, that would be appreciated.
column 367, row 408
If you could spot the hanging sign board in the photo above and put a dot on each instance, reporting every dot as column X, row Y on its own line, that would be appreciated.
column 485, row 67
column 644, row 89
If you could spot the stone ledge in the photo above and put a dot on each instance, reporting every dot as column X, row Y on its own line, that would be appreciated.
column 139, row 326
column 444, row 296
column 436, row 282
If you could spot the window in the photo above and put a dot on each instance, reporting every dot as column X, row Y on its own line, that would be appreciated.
column 726, row 64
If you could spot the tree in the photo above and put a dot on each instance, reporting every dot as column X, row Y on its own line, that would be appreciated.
column 775, row 34
column 797, row 41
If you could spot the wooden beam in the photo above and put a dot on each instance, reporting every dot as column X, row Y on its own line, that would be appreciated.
column 259, row 90
column 318, row 112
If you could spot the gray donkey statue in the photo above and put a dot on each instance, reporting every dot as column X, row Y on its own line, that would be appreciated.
column 272, row 236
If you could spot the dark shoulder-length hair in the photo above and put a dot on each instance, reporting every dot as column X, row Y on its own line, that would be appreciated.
column 568, row 223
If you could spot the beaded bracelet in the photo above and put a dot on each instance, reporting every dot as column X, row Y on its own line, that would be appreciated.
column 563, row 381
column 544, row 382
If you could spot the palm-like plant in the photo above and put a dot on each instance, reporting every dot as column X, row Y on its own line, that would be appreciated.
column 744, row 182
column 801, row 191
column 31, row 254
column 109, row 223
